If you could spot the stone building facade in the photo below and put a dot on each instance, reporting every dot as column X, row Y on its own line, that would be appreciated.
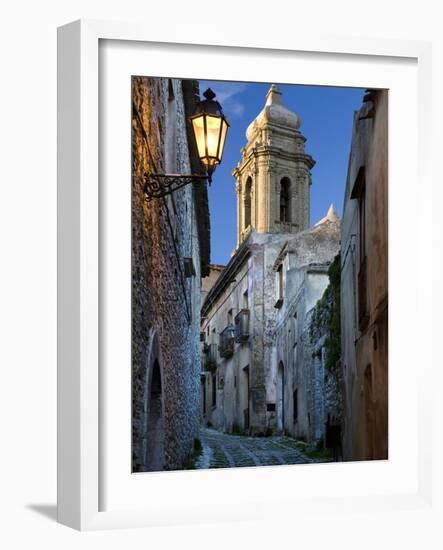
column 364, row 284
column 303, row 385
column 170, row 254
column 257, row 360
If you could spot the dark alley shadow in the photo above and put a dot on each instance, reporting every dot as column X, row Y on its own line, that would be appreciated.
column 46, row 510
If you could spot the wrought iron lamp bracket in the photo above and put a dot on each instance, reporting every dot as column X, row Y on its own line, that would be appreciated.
column 161, row 185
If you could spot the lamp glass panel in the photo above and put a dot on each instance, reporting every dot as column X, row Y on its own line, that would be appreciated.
column 199, row 132
column 213, row 129
column 224, row 129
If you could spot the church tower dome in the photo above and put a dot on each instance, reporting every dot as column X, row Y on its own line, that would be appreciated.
column 274, row 112
column 273, row 176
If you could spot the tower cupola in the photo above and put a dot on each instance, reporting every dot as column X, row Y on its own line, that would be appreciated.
column 273, row 176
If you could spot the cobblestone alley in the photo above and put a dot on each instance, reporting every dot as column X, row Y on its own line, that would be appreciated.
column 222, row 450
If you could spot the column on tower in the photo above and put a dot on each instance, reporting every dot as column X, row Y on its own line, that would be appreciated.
column 239, row 211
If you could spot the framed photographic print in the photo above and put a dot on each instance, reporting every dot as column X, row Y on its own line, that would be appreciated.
column 234, row 251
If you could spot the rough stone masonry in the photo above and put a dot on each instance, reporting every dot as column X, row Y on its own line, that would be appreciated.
column 166, row 234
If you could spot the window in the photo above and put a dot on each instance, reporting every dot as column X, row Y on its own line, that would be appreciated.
column 230, row 317
column 247, row 203
column 359, row 193
column 189, row 269
column 245, row 300
column 362, row 225
column 279, row 284
column 285, row 202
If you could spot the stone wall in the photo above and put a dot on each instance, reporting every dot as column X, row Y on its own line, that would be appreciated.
column 324, row 347
column 165, row 303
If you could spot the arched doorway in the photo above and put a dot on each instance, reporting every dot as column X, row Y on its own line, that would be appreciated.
column 281, row 397
column 155, row 437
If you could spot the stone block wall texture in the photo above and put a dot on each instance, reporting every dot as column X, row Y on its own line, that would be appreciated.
column 165, row 304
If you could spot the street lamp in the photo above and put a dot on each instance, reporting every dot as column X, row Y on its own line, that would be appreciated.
column 210, row 128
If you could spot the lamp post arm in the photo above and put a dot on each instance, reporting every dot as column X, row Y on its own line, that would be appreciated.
column 160, row 185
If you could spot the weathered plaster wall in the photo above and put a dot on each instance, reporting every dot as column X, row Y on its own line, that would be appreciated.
column 365, row 347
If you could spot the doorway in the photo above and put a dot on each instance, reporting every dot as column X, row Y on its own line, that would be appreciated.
column 281, row 397
column 369, row 414
column 156, row 431
column 245, row 398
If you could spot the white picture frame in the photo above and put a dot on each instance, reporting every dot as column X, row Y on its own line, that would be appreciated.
column 81, row 413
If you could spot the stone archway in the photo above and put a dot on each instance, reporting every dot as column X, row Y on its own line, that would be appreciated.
column 155, row 426
column 156, row 431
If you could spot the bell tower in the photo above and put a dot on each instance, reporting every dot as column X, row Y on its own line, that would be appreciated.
column 273, row 176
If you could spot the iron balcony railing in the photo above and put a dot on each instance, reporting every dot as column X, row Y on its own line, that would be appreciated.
column 227, row 338
column 242, row 326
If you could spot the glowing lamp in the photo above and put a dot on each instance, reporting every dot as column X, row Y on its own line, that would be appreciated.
column 210, row 128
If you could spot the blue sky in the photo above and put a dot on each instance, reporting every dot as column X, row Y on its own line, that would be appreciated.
column 326, row 121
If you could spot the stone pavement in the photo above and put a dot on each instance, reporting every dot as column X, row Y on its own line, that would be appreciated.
column 222, row 450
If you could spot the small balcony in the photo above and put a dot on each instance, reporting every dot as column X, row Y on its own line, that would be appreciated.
column 210, row 357
column 242, row 326
column 227, row 339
